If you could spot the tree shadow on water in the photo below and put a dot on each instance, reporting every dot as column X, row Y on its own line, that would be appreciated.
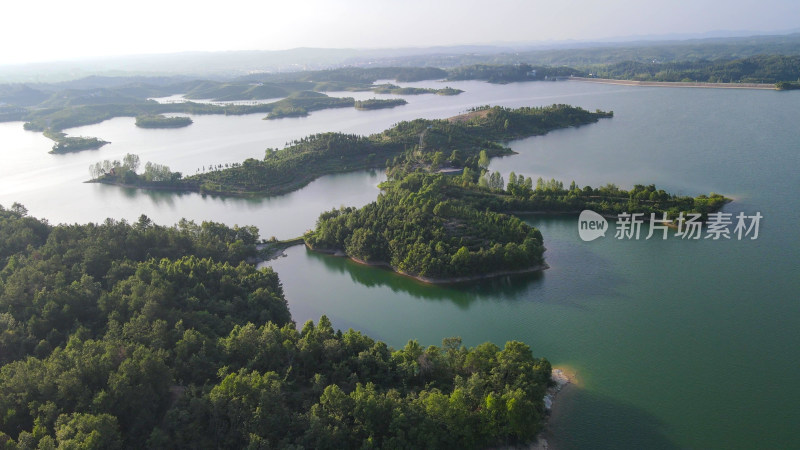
column 462, row 294
column 519, row 287
column 585, row 420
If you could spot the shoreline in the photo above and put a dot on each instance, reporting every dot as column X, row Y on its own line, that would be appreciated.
column 565, row 380
column 273, row 250
column 284, row 189
column 690, row 84
column 191, row 190
column 433, row 281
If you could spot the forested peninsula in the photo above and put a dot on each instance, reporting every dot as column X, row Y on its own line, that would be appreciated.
column 135, row 335
column 441, row 228
column 306, row 159
column 417, row 230
column 765, row 69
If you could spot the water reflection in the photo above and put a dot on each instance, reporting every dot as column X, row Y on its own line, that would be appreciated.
column 528, row 287
column 462, row 294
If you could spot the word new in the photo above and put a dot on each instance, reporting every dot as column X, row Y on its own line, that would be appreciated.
column 687, row 226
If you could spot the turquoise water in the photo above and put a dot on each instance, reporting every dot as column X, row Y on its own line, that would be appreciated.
column 678, row 344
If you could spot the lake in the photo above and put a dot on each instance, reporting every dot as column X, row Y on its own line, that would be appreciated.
column 677, row 344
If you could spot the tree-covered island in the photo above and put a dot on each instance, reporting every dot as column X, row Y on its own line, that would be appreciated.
column 375, row 103
column 162, row 121
column 397, row 90
column 69, row 144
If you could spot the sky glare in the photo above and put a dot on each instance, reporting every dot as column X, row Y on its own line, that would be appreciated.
column 45, row 30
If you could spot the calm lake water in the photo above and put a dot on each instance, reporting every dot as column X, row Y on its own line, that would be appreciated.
column 678, row 344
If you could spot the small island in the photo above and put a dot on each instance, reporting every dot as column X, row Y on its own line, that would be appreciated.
column 397, row 90
column 447, row 90
column 374, row 103
column 68, row 144
column 162, row 121
column 300, row 104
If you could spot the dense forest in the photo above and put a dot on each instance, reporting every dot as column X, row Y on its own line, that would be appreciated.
column 508, row 73
column 787, row 85
column 754, row 69
column 308, row 158
column 119, row 335
column 417, row 230
column 611, row 52
column 523, row 195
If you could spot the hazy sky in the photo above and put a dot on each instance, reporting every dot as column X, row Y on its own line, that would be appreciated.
column 42, row 30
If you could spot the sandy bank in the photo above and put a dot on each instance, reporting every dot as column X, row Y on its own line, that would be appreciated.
column 566, row 380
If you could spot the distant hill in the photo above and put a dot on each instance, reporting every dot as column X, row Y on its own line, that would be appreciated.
column 223, row 66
